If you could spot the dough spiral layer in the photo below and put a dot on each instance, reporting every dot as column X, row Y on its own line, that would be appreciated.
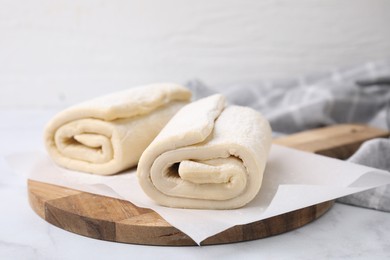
column 108, row 134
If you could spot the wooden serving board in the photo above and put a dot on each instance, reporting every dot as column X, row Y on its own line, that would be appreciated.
column 117, row 220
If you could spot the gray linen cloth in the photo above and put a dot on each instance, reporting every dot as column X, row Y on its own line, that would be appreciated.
column 355, row 95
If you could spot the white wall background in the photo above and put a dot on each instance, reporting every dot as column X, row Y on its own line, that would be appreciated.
column 55, row 53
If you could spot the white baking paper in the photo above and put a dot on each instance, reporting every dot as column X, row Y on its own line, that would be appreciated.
column 292, row 180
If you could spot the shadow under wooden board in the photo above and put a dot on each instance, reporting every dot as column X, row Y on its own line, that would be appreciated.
column 117, row 220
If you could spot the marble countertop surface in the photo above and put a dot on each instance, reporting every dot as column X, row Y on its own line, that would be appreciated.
column 345, row 232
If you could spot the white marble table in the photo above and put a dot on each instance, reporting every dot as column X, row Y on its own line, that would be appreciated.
column 345, row 232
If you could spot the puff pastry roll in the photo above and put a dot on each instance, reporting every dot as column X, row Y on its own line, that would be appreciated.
column 108, row 134
column 207, row 157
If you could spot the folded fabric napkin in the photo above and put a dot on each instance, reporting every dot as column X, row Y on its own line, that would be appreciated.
column 374, row 153
column 207, row 157
column 355, row 95
column 108, row 134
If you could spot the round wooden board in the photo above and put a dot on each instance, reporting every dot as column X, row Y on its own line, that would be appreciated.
column 117, row 220
column 111, row 219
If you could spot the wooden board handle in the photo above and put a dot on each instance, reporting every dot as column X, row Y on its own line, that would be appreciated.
column 338, row 141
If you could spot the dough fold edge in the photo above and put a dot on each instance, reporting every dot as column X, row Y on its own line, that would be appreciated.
column 210, row 134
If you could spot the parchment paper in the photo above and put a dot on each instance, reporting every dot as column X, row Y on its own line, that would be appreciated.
column 293, row 179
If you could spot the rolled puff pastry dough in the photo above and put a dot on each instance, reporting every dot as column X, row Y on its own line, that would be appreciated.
column 108, row 134
column 207, row 157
